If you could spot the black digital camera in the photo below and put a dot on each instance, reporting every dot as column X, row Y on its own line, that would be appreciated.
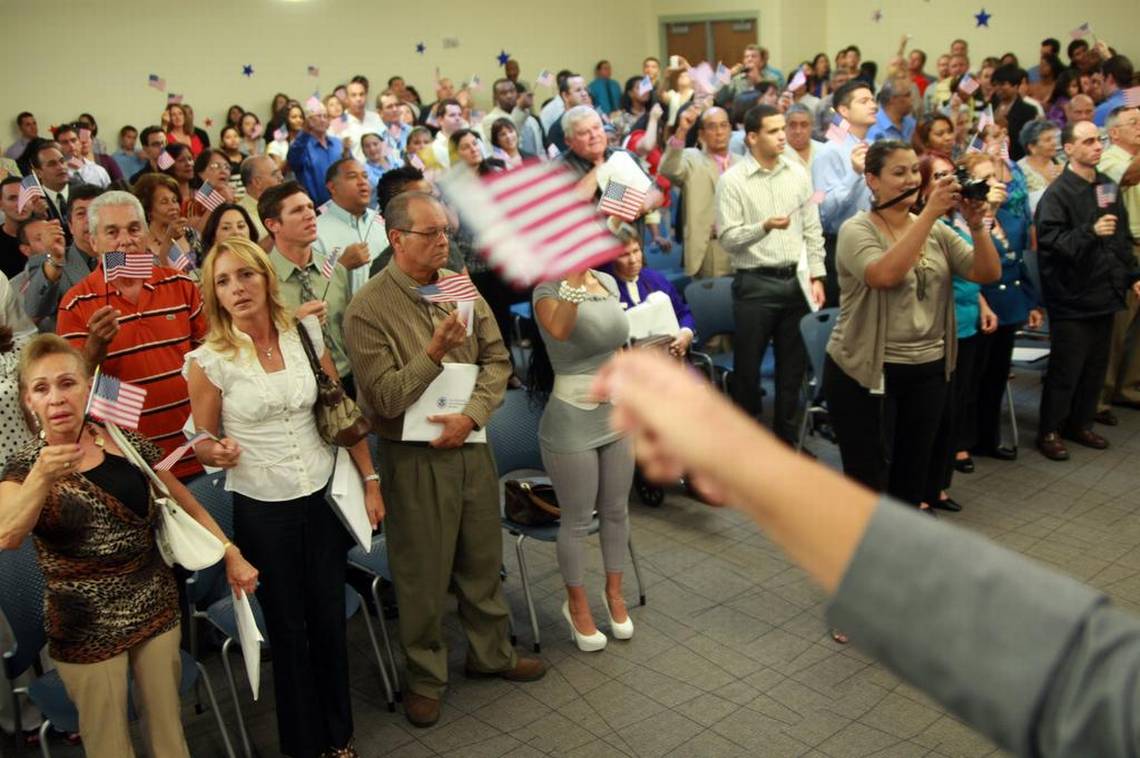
column 972, row 189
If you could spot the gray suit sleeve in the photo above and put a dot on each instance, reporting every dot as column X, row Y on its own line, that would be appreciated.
column 1033, row 659
column 41, row 298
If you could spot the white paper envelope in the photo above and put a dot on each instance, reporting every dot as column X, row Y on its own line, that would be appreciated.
column 653, row 316
column 250, row 638
column 466, row 310
column 448, row 393
column 345, row 494
column 623, row 168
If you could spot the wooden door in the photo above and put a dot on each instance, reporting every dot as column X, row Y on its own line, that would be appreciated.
column 729, row 39
column 688, row 39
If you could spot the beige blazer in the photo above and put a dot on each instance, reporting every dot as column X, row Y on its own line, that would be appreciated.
column 696, row 173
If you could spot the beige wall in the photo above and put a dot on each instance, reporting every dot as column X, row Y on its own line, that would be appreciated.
column 96, row 54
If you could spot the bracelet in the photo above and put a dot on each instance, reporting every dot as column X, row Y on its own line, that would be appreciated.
column 372, row 478
column 227, row 545
column 575, row 295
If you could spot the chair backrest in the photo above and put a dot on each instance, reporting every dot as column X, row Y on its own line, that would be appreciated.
column 22, row 603
column 210, row 583
column 658, row 259
column 710, row 300
column 513, row 433
column 815, row 328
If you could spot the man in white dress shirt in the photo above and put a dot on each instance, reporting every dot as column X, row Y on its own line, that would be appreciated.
column 79, row 167
column 360, row 120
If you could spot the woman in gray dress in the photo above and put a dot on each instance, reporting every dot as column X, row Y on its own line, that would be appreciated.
column 582, row 325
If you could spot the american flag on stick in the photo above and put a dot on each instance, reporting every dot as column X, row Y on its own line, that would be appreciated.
column 209, row 197
column 165, row 160
column 451, row 289
column 314, row 71
column 645, row 86
column 968, row 85
column 173, row 99
column 1105, row 195
column 117, row 264
column 531, row 223
column 545, row 79
column 330, row 263
column 30, row 189
column 178, row 259
column 723, row 73
column 116, row 401
column 838, row 129
column 155, row 81
column 169, row 461
column 1081, row 31
column 1132, row 97
column 798, row 81
column 622, row 201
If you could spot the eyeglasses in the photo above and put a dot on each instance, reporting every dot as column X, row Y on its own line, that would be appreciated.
column 443, row 231
column 217, row 166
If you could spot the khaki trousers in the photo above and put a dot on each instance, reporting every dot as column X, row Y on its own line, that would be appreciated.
column 443, row 533
column 99, row 691
column 1122, row 380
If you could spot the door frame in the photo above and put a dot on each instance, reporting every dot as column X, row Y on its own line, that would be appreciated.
column 701, row 18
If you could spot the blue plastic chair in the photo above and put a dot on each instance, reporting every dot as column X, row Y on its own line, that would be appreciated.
column 668, row 262
column 513, row 436
column 710, row 301
column 815, row 328
column 21, row 603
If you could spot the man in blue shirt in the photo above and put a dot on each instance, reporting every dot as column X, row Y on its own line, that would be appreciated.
column 1117, row 77
column 893, row 120
column 314, row 151
column 837, row 170
column 604, row 91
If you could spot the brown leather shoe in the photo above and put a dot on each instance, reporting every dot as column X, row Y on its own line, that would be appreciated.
column 525, row 670
column 422, row 711
column 1052, row 448
column 1088, row 439
column 1106, row 417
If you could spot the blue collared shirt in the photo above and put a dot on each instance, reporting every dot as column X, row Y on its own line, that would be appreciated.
column 884, row 128
column 606, row 94
column 1111, row 103
column 846, row 192
column 396, row 144
column 129, row 163
column 337, row 228
column 310, row 160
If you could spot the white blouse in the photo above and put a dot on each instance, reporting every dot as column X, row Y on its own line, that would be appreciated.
column 271, row 417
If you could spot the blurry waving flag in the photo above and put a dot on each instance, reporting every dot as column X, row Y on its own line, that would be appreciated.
column 115, row 401
column 976, row 145
column 130, row 265
column 314, row 71
column 1081, row 31
column 165, row 160
column 75, row 163
column 173, row 99
column 30, row 189
column 545, row 79
column 838, row 129
column 985, row 118
column 313, row 105
column 622, row 201
column 968, row 85
column 281, row 134
column 814, row 198
column 209, row 197
column 156, row 82
column 330, row 263
column 999, row 149
column 723, row 73
column 798, row 81
column 452, row 289
column 168, row 462
column 703, row 78
column 1132, row 97
column 531, row 223
column 645, row 86
column 1105, row 194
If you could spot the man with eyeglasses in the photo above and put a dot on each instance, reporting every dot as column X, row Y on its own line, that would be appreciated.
column 258, row 173
column 443, row 495
column 153, row 141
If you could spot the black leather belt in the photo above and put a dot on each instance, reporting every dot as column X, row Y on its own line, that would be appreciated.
column 780, row 272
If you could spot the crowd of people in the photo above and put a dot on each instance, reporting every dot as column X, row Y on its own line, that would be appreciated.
column 940, row 215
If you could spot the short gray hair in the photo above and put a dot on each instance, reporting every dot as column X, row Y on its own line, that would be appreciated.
column 397, row 213
column 1033, row 130
column 115, row 199
column 248, row 166
column 575, row 116
column 893, row 87
column 795, row 108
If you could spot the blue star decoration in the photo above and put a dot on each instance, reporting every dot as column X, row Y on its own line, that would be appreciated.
column 983, row 18
column 877, row 16
column 420, row 47
column 503, row 57
column 247, row 70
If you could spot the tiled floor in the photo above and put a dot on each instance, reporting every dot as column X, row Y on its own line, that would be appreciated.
column 730, row 655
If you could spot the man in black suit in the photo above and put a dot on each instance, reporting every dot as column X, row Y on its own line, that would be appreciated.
column 1007, row 81
column 50, row 167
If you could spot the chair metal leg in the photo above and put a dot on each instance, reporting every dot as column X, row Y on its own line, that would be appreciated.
column 526, row 591
column 379, row 658
column 192, row 633
column 636, row 572
column 387, row 642
column 234, row 694
column 45, row 751
column 217, row 711
column 16, row 715
column 1012, row 413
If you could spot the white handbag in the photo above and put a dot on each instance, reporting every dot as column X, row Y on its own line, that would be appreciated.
column 180, row 538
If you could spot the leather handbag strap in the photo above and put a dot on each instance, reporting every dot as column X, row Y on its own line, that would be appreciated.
column 311, row 352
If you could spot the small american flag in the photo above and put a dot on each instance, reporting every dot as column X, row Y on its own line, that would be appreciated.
column 475, row 83
column 116, row 401
column 1081, row 31
column 30, row 189
column 723, row 73
column 1105, row 195
column 156, row 82
column 169, row 461
column 173, row 99
column 1132, row 97
column 703, row 78
column 968, row 85
column 985, row 118
column 838, row 129
column 451, row 289
column 314, row 71
column 545, row 79
column 281, row 134
column 622, row 201
column 165, row 160
column 531, row 223
column 976, row 145
column 75, row 163
column 330, row 263
column 130, row 265
column 178, row 259
column 645, row 86
column 799, row 80
column 1000, row 150
column 314, row 105
column 324, row 207
column 209, row 197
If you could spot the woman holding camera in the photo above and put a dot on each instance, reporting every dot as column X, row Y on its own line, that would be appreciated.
column 894, row 345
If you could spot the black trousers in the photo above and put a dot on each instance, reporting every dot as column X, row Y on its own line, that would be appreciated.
column 298, row 547
column 1078, row 360
column 896, row 442
column 831, row 283
column 769, row 309
column 957, row 424
column 993, row 374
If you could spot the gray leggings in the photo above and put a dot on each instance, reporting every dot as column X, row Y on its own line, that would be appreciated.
column 601, row 479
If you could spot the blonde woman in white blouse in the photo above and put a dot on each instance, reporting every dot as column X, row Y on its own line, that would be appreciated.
column 252, row 378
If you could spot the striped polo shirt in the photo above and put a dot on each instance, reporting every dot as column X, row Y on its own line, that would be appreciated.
column 154, row 335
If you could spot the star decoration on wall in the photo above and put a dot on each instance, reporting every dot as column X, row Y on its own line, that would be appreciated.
column 877, row 16
column 983, row 18
column 247, row 70
column 420, row 48
column 503, row 57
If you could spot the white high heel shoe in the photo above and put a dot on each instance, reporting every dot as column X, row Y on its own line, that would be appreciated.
column 587, row 643
column 622, row 631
